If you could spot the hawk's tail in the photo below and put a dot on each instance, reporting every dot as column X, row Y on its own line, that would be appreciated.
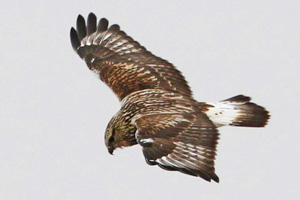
column 236, row 111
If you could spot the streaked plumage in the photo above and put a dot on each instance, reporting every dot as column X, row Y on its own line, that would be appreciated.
column 122, row 63
column 158, row 111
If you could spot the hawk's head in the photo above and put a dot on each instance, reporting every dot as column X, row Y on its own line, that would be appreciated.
column 119, row 133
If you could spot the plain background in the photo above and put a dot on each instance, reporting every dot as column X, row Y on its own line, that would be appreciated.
column 54, row 111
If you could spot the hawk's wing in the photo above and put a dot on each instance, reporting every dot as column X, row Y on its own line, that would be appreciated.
column 182, row 142
column 122, row 63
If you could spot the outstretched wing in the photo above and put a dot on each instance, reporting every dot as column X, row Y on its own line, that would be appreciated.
column 181, row 142
column 122, row 63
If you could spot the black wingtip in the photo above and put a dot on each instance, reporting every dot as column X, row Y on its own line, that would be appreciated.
column 239, row 98
column 91, row 23
column 114, row 28
column 92, row 15
column 102, row 25
column 74, row 39
column 81, row 27
column 215, row 178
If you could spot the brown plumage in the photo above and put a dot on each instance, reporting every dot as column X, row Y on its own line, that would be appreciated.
column 158, row 111
column 122, row 63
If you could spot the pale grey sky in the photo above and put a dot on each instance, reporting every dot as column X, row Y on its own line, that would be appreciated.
column 54, row 111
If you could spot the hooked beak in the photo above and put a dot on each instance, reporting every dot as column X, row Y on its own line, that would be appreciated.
column 111, row 150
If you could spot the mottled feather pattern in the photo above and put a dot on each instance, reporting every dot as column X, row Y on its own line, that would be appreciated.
column 109, row 46
column 185, row 142
column 158, row 111
column 154, row 100
column 178, row 131
column 124, row 78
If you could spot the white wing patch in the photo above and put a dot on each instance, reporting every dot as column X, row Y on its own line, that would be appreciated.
column 147, row 140
column 222, row 113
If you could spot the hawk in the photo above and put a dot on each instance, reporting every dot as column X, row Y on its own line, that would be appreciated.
column 158, row 111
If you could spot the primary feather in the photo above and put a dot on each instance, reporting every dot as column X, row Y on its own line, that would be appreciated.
column 158, row 111
column 110, row 52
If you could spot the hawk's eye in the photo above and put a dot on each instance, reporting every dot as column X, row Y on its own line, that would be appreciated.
column 111, row 139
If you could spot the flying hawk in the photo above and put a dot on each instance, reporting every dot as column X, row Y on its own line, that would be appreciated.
column 158, row 110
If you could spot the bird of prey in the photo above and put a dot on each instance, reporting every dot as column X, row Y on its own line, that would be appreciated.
column 158, row 111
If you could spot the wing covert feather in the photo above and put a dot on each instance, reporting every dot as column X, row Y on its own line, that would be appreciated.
column 181, row 142
column 105, row 47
